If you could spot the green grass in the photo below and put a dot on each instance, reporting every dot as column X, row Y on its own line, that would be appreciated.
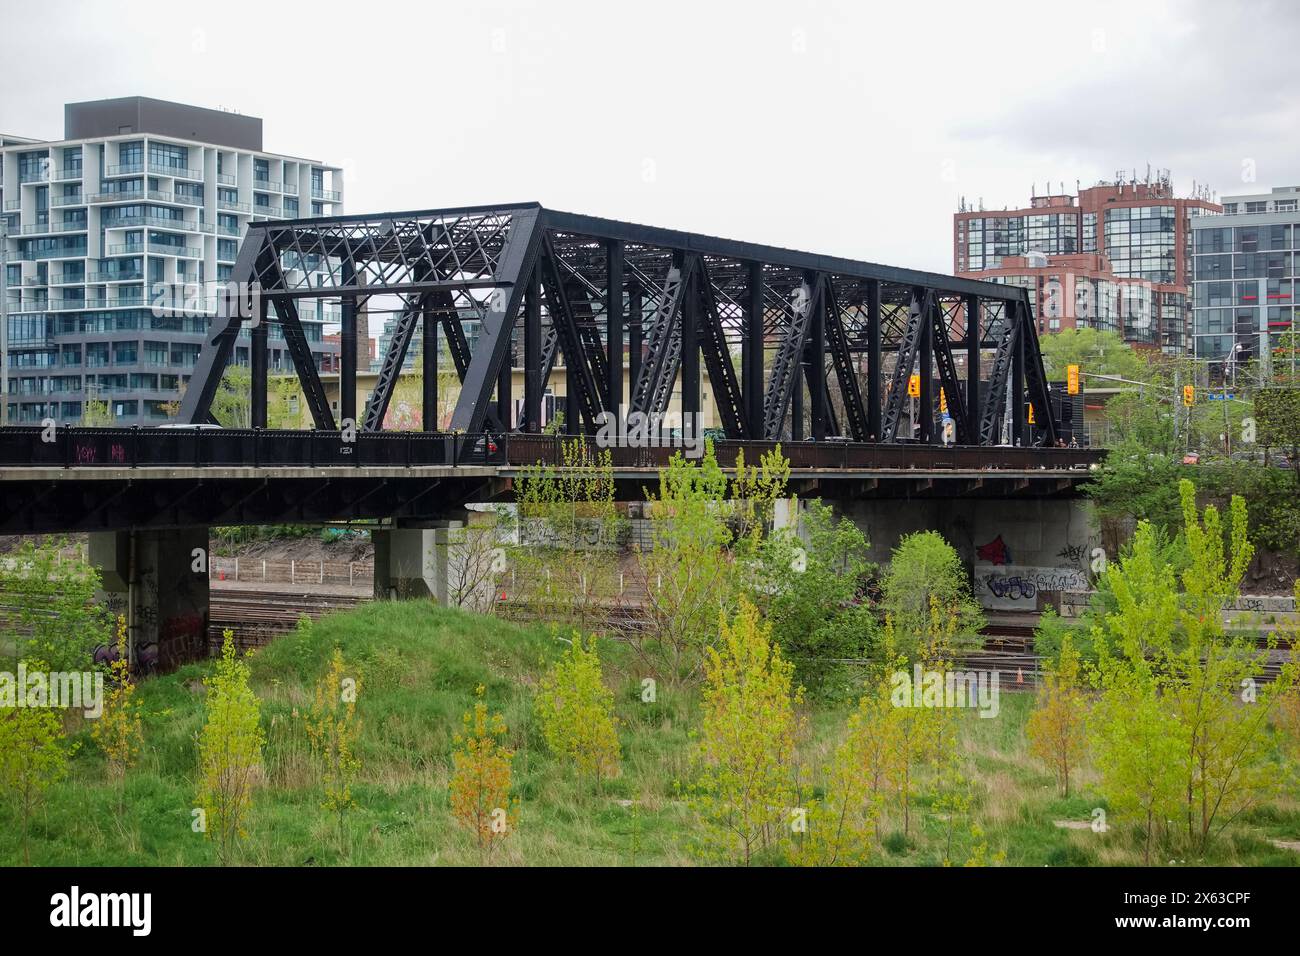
column 420, row 666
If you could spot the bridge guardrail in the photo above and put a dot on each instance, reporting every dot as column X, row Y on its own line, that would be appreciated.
column 522, row 450
column 138, row 447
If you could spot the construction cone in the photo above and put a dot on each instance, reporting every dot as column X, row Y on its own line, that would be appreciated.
column 1020, row 675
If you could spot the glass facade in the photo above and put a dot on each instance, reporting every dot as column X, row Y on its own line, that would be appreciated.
column 1140, row 242
column 1244, row 280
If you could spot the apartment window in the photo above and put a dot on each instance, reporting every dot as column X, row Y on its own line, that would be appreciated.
column 96, row 354
column 1256, row 207
column 261, row 170
column 130, row 154
column 290, row 207
column 226, row 249
column 1230, row 208
column 125, row 353
column 1285, row 205
column 169, row 156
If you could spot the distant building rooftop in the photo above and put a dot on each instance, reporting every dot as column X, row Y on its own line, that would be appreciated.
column 141, row 114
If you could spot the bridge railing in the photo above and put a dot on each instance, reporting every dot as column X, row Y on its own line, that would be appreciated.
column 143, row 447
column 524, row 450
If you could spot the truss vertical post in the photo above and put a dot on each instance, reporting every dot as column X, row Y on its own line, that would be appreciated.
column 348, row 350
column 796, row 406
column 1018, row 377
column 751, row 355
column 873, row 360
column 429, row 362
column 636, row 318
column 1036, row 379
column 533, row 353
column 814, row 362
column 690, row 368
column 614, row 321
column 258, row 363
column 505, row 397
column 971, row 303
column 926, row 402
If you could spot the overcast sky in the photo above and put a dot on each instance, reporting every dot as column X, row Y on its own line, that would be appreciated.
column 847, row 128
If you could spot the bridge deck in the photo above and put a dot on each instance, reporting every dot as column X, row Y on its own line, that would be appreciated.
column 95, row 479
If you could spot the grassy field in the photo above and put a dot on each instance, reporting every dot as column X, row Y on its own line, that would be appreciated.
column 420, row 665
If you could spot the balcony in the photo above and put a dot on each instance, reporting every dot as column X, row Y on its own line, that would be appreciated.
column 275, row 211
column 291, row 189
column 232, row 206
column 118, row 275
column 225, row 179
column 267, row 186
column 118, row 195
column 41, row 175
column 159, row 196
column 127, row 249
column 13, row 205
column 125, row 169
column 228, row 231
column 158, row 222
column 75, row 252
column 49, row 228
column 68, row 172
column 67, row 305
column 185, row 200
column 68, row 280
column 77, row 200
column 176, row 172
column 185, row 252
column 329, row 195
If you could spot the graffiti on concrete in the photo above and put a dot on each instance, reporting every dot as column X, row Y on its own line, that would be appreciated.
column 1019, row 587
column 995, row 552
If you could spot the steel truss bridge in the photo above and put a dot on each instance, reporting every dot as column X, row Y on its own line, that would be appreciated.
column 825, row 346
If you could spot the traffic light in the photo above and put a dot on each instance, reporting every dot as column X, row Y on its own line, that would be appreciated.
column 1031, row 414
column 1072, row 379
column 914, row 386
column 943, row 402
column 1189, row 395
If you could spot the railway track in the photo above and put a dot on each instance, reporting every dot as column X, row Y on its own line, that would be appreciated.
column 258, row 616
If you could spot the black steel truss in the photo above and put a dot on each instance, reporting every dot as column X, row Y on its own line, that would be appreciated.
column 906, row 359
column 671, row 298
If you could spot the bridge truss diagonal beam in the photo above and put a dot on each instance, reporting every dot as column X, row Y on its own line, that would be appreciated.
column 519, row 254
column 908, row 348
column 787, row 364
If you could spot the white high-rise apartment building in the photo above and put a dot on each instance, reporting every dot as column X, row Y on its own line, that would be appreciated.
column 140, row 196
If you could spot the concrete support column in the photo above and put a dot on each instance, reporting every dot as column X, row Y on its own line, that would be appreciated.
column 158, row 581
column 428, row 561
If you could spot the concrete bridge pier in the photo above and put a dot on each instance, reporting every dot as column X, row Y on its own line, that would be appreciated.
column 158, row 581
column 1021, row 552
column 427, row 559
